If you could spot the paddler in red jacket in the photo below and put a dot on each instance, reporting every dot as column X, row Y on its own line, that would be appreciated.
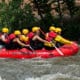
column 55, row 36
column 16, row 41
column 50, row 36
column 36, row 41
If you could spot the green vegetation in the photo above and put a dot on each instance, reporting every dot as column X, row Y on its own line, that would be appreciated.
column 15, row 16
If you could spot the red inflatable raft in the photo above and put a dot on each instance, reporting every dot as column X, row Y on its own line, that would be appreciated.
column 67, row 50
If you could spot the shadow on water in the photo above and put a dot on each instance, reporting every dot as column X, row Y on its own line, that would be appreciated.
column 66, row 68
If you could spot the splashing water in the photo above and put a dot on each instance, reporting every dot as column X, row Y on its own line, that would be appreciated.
column 67, row 68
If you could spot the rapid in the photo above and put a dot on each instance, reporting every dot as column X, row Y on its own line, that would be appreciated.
column 61, row 68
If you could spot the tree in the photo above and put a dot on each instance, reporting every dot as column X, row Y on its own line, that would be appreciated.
column 44, row 12
column 15, row 17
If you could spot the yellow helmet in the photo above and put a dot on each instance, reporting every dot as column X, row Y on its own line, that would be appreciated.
column 17, row 32
column 25, row 31
column 58, row 29
column 24, row 38
column 34, row 29
column 52, row 28
column 5, row 30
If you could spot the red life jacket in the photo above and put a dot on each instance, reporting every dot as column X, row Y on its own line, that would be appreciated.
column 12, row 36
column 30, row 35
column 50, row 36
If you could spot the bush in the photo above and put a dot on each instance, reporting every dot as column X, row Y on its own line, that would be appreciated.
column 15, row 17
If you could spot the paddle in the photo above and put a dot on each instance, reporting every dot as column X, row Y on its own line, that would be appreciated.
column 32, row 49
column 58, row 50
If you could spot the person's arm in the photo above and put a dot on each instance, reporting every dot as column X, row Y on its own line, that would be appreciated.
column 20, row 43
column 3, row 38
column 39, row 38
column 46, row 36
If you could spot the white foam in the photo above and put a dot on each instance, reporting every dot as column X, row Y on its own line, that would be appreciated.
column 55, row 77
column 1, row 78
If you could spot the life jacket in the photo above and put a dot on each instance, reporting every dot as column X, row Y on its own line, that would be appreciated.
column 50, row 36
column 30, row 35
column 12, row 36
column 13, row 45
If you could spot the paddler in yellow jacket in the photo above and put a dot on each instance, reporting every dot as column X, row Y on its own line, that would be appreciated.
column 25, row 36
column 59, row 38
column 56, row 38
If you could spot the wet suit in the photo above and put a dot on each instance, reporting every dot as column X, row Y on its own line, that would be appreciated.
column 36, row 44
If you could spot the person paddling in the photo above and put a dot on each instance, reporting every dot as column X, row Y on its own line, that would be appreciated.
column 15, row 41
column 55, row 36
column 50, row 37
column 36, row 40
column 25, row 33
column 4, row 37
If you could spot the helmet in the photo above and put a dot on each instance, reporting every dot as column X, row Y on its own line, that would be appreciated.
column 17, row 32
column 24, row 38
column 34, row 29
column 52, row 28
column 25, row 31
column 5, row 30
column 58, row 29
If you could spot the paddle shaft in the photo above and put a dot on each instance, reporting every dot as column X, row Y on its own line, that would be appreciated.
column 58, row 50
column 31, row 48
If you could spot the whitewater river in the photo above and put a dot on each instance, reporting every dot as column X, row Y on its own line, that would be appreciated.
column 67, row 68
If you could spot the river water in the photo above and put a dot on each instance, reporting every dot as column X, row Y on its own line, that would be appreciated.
column 65, row 68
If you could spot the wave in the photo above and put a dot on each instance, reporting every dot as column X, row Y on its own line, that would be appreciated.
column 57, row 76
